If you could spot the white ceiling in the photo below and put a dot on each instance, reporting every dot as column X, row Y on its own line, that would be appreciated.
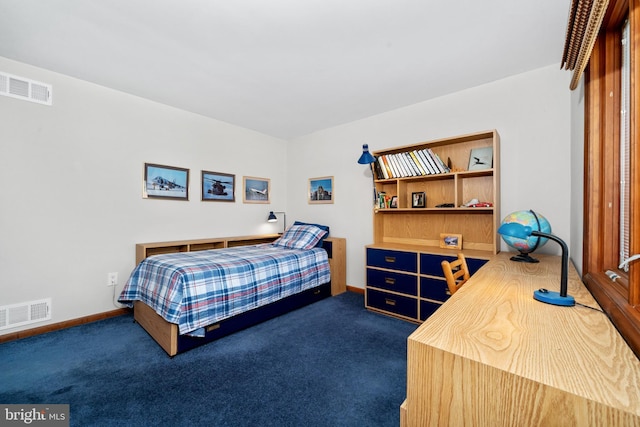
column 285, row 67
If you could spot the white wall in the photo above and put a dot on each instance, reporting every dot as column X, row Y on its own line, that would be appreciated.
column 71, row 177
column 531, row 112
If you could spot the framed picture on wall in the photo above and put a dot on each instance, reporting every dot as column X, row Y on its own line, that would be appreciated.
column 256, row 190
column 218, row 187
column 321, row 190
column 165, row 182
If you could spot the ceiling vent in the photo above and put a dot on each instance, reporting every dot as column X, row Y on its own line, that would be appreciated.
column 25, row 89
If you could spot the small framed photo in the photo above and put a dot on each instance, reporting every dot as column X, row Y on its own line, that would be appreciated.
column 418, row 199
column 321, row 190
column 165, row 182
column 481, row 158
column 394, row 202
column 256, row 190
column 451, row 241
column 218, row 187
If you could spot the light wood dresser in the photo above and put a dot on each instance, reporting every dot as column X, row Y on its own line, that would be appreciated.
column 494, row 356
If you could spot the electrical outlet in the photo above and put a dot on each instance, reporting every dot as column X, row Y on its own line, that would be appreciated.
column 112, row 279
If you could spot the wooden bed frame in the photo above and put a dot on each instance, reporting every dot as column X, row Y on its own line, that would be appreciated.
column 166, row 334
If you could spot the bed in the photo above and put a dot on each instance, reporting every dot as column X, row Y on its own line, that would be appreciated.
column 189, row 294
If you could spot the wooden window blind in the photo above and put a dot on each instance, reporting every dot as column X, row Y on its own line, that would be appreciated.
column 585, row 19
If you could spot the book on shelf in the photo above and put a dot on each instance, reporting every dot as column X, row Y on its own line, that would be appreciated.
column 429, row 161
column 378, row 169
column 418, row 163
column 408, row 171
column 414, row 167
column 439, row 163
column 394, row 168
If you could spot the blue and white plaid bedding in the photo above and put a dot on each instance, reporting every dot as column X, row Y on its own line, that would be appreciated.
column 196, row 289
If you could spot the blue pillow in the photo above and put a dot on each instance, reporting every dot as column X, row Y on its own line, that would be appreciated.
column 324, row 227
column 301, row 237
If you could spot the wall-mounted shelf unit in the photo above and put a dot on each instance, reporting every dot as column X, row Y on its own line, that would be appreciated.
column 422, row 226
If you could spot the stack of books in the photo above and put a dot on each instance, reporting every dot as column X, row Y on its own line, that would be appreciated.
column 411, row 163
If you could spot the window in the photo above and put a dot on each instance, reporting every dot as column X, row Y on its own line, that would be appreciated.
column 612, row 156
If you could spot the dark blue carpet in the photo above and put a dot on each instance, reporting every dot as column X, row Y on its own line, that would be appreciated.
column 332, row 363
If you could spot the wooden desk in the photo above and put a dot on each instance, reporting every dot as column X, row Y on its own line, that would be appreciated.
column 494, row 356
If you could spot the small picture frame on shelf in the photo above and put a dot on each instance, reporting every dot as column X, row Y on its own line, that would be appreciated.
column 480, row 159
column 394, row 202
column 450, row 241
column 418, row 199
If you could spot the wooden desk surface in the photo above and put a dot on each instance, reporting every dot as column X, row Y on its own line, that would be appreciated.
column 495, row 349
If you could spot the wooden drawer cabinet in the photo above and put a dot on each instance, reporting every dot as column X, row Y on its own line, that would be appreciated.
column 410, row 283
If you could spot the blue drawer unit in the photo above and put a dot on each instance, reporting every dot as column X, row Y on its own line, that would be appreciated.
column 393, row 260
column 427, row 308
column 392, row 281
column 395, row 304
column 434, row 289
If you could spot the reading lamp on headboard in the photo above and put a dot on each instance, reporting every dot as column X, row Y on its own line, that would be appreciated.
column 273, row 218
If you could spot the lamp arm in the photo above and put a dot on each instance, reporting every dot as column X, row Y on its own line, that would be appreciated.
column 284, row 220
column 565, row 259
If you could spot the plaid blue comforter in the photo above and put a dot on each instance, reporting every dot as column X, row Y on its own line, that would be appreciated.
column 196, row 289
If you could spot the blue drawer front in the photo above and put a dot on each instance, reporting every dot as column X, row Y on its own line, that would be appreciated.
column 398, row 282
column 474, row 264
column 431, row 264
column 434, row 289
column 394, row 260
column 397, row 304
column 427, row 309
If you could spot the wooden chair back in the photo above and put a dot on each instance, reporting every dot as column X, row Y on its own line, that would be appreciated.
column 456, row 272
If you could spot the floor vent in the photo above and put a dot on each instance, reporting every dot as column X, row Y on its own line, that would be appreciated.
column 25, row 313
column 25, row 89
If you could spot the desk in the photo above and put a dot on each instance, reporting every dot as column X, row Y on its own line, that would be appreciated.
column 493, row 356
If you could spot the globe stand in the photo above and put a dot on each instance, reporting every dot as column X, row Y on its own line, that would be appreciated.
column 522, row 257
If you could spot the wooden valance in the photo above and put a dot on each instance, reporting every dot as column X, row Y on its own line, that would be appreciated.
column 585, row 19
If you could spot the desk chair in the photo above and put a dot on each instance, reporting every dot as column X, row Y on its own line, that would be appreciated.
column 456, row 272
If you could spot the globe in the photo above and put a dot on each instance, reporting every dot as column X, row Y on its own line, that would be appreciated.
column 528, row 245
